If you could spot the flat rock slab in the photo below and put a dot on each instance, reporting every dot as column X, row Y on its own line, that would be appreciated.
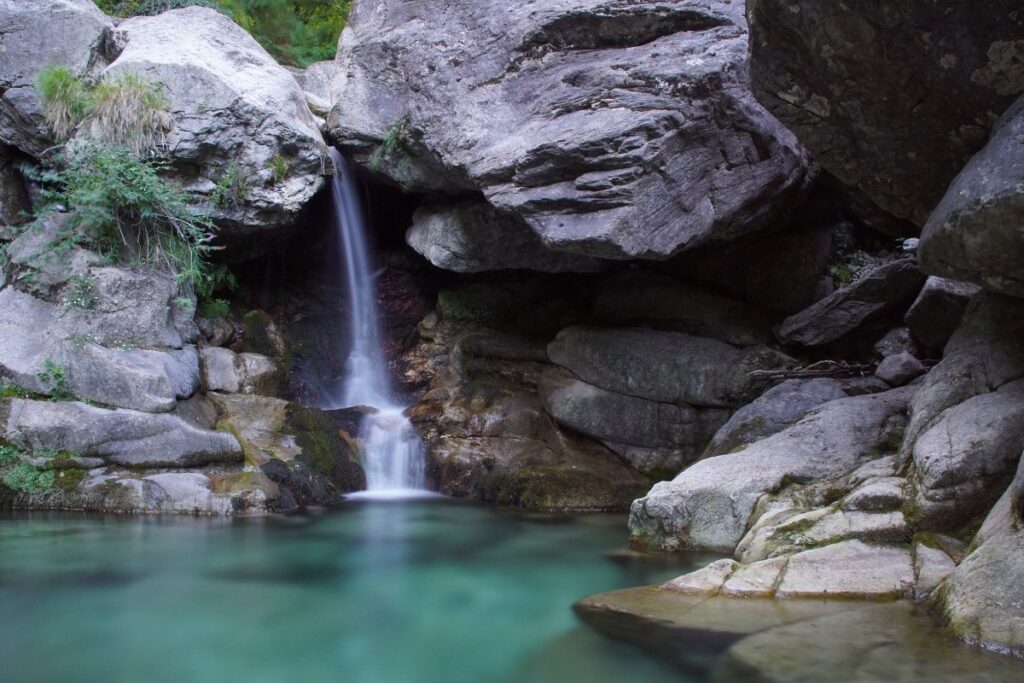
column 122, row 437
column 687, row 628
column 893, row 642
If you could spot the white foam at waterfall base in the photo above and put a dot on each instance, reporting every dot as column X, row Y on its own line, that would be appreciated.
column 392, row 451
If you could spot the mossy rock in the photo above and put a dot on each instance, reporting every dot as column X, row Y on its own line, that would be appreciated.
column 324, row 451
column 263, row 337
column 548, row 488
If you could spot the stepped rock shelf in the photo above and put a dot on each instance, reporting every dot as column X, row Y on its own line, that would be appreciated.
column 749, row 271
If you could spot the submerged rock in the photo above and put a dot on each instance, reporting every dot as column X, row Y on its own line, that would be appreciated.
column 890, row 642
column 615, row 131
column 891, row 100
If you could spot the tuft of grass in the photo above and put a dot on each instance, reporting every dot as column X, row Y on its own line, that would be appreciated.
column 279, row 167
column 216, row 308
column 65, row 99
column 129, row 111
column 9, row 455
column 232, row 189
column 14, row 391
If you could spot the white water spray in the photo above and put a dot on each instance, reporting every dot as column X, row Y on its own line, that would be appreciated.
column 393, row 455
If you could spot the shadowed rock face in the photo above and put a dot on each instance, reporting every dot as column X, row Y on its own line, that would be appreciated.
column 891, row 98
column 974, row 233
column 613, row 130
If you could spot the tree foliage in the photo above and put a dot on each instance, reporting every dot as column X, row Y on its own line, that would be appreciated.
column 296, row 32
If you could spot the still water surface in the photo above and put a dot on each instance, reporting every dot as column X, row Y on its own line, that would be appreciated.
column 417, row 591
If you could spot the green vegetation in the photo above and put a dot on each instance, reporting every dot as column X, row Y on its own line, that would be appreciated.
column 24, row 478
column 126, row 110
column 216, row 308
column 55, row 378
column 8, row 455
column 280, row 168
column 129, row 111
column 80, row 292
column 14, row 391
column 296, row 32
column 126, row 211
column 232, row 189
column 65, row 100
column 476, row 303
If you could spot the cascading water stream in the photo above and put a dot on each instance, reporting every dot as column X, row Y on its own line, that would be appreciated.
column 393, row 453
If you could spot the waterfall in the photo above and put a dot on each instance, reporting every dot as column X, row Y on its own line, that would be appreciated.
column 393, row 454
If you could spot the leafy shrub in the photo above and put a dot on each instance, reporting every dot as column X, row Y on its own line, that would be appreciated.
column 129, row 111
column 124, row 209
column 24, row 478
column 8, row 455
column 65, row 99
column 297, row 32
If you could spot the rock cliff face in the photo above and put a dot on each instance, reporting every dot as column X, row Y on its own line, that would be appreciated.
column 609, row 129
column 891, row 99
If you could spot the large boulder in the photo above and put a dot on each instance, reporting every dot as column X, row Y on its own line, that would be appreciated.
column 966, row 459
column 57, row 350
column 982, row 355
column 666, row 367
column 781, row 406
column 983, row 600
column 891, row 99
column 710, row 504
column 882, row 291
column 974, row 234
column 473, row 236
column 237, row 116
column 613, row 130
column 120, row 437
column 656, row 438
column 36, row 35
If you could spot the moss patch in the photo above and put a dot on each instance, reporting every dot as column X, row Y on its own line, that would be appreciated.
column 323, row 449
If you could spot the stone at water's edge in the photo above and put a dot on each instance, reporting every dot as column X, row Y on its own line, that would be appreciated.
column 709, row 505
column 689, row 629
column 875, row 644
column 615, row 131
column 983, row 600
column 892, row 99
column 974, row 233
